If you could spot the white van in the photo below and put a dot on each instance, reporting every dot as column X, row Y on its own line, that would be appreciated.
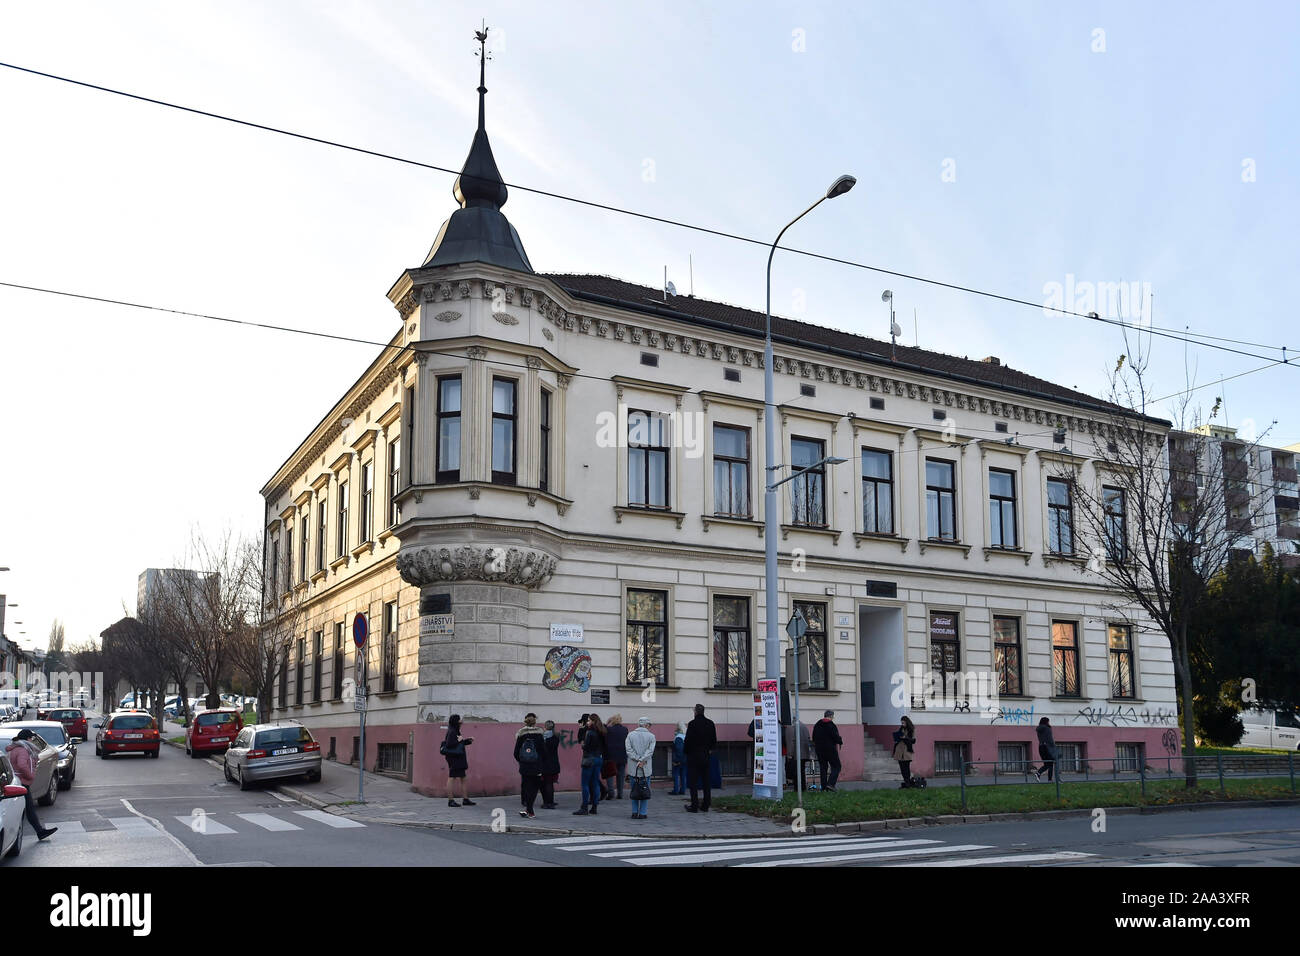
column 1274, row 729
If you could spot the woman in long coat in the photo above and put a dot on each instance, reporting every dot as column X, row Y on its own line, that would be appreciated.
column 453, row 747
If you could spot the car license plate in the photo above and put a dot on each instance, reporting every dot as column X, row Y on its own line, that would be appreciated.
column 220, row 740
column 135, row 736
column 286, row 750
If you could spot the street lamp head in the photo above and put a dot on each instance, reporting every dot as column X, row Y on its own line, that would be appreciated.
column 836, row 461
column 841, row 186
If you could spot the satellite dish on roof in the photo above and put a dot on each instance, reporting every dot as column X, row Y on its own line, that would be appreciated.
column 894, row 329
column 670, row 289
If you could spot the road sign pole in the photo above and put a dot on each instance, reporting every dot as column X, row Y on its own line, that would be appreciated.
column 360, row 631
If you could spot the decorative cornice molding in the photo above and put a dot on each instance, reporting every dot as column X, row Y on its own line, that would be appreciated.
column 523, row 567
column 447, row 316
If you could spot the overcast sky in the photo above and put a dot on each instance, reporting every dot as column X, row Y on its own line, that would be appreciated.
column 1004, row 146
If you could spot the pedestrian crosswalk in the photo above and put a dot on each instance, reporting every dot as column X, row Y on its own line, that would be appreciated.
column 202, row 824
column 903, row 849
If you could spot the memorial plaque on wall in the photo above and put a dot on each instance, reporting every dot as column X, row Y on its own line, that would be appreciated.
column 435, row 604
column 884, row 589
column 600, row 696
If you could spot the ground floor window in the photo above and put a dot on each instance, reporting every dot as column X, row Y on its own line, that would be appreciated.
column 647, row 637
column 1013, row 757
column 1128, row 757
column 1069, row 758
column 392, row 758
column 950, row 755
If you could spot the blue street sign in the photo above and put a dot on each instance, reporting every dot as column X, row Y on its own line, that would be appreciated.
column 359, row 630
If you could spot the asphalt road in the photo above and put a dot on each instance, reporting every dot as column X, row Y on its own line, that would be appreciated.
column 130, row 811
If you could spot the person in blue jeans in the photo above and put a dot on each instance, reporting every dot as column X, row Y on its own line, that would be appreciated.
column 679, row 761
column 593, row 760
column 640, row 758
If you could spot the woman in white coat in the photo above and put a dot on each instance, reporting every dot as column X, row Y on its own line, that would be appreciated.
column 640, row 751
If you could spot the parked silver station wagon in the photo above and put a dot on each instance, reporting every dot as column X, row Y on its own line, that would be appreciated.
column 270, row 751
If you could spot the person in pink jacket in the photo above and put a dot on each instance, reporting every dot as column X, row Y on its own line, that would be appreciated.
column 23, row 756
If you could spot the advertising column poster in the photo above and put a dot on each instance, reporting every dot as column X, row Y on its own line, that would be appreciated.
column 767, row 742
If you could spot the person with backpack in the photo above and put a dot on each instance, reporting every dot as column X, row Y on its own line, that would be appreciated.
column 550, row 765
column 640, row 753
column 825, row 739
column 23, row 755
column 453, row 748
column 1046, row 750
column 593, row 759
column 679, row 761
column 529, row 747
column 904, row 742
column 615, row 757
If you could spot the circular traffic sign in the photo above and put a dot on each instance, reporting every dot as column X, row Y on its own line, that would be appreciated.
column 359, row 630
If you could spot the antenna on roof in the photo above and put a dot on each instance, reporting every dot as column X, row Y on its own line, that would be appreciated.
column 894, row 330
column 916, row 341
column 690, row 260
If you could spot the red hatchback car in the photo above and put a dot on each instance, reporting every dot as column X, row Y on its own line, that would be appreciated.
column 127, row 731
column 73, row 720
column 211, row 731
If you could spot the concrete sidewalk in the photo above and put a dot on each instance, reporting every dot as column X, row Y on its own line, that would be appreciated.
column 393, row 801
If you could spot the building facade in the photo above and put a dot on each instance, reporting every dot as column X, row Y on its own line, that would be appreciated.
column 545, row 494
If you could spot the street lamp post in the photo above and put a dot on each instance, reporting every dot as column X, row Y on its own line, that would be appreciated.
column 772, row 644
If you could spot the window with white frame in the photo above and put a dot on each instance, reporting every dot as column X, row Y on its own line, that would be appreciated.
column 448, row 420
column 1120, row 639
column 367, row 500
column 877, row 491
column 504, row 420
column 394, row 479
column 1060, row 517
column 940, row 500
column 731, row 471
column 1002, row 508
column 647, row 459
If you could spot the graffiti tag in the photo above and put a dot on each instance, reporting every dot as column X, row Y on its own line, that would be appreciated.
column 1015, row 715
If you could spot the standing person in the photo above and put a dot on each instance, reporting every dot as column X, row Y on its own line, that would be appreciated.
column 805, row 749
column 529, row 747
column 453, row 748
column 640, row 751
column 550, row 765
column 23, row 756
column 615, row 755
column 904, row 742
column 701, row 739
column 1046, row 749
column 825, row 738
column 679, row 761
column 593, row 759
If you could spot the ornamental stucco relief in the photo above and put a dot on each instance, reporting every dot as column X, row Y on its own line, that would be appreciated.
column 523, row 567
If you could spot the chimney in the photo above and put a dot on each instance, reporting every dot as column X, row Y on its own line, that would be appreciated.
column 992, row 360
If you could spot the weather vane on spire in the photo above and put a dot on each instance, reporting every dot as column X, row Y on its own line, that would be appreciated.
column 483, row 55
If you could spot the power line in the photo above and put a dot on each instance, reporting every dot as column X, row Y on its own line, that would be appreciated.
column 1149, row 329
column 354, row 340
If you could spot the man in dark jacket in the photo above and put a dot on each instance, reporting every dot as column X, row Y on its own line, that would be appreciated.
column 701, row 739
column 530, row 746
column 825, row 738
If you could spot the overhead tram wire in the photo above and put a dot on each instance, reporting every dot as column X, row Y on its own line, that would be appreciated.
column 999, row 437
column 1182, row 336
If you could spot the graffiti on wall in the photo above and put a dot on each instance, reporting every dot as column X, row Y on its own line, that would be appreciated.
column 1014, row 715
column 1127, row 716
column 567, row 668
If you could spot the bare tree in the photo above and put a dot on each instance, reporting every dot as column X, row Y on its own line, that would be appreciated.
column 261, row 650
column 1162, row 515
column 132, row 648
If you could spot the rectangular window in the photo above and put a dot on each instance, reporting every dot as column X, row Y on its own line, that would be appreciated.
column 731, row 642
column 301, row 670
column 317, row 663
column 410, row 435
column 647, row 459
column 1002, row 508
column 390, row 647
column 808, row 490
column 338, row 661
column 1120, row 637
column 950, row 755
column 275, row 569
column 1060, row 517
column 815, row 642
column 304, row 547
column 322, row 515
column 731, row 472
column 367, row 500
column 940, row 500
column 343, row 519
column 1065, row 659
column 647, row 637
column 1006, row 654
column 1128, row 757
column 877, row 491
column 945, row 654
column 544, row 442
column 288, row 559
column 448, row 429
column 1069, row 757
column 1013, row 757
column 284, row 679
column 394, row 480
column 1116, row 524
column 503, row 431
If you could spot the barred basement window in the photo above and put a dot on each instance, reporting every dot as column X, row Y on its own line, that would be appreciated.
column 392, row 758
column 1013, row 757
column 1069, row 758
column 1128, row 757
column 950, row 755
